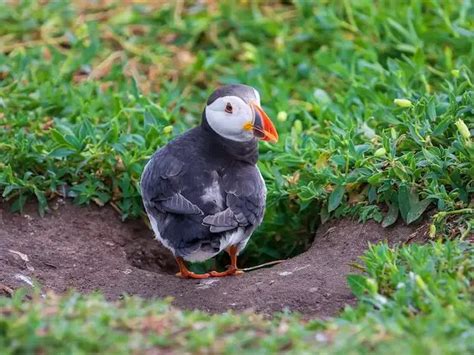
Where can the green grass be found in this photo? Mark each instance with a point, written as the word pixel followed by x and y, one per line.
pixel 373 102
pixel 414 300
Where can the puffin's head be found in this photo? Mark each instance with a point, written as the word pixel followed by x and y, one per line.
pixel 234 112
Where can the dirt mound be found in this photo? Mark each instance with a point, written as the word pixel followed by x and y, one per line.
pixel 91 249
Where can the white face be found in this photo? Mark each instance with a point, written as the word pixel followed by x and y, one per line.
pixel 229 116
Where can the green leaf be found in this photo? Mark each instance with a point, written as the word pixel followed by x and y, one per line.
pixel 375 178
pixel 19 203
pixel 67 140
pixel 417 209
pixel 391 216
pixel 73 142
pixel 42 202
pixel 372 194
pixel 400 171
pixel 149 120
pixel 308 192
pixel 404 201
pixel 431 110
pixel 442 126
pixel 358 284
pixel 58 137
pixel 324 214
pixel 411 208
pixel 61 153
pixel 9 189
pixel 135 89
pixel 335 198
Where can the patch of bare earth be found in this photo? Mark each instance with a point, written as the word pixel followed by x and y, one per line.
pixel 89 248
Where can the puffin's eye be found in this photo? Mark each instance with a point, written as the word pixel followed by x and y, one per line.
pixel 228 108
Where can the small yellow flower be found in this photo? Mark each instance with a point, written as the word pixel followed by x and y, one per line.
pixel 402 102
pixel 168 129
pixel 420 282
pixel 298 125
pixel 380 152
pixel 282 116
pixel 372 285
pixel 463 129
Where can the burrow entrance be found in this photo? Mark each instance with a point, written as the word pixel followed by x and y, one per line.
pixel 90 249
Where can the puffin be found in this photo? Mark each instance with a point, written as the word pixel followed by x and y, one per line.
pixel 203 192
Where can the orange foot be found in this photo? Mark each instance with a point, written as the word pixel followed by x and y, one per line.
pixel 229 272
pixel 192 275
pixel 233 269
pixel 185 273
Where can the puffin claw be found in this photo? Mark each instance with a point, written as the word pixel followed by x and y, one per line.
pixel 192 275
pixel 228 272
pixel 185 273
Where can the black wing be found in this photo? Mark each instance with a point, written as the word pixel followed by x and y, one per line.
pixel 159 186
pixel 245 201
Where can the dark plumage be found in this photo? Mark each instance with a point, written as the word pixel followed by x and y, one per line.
pixel 204 193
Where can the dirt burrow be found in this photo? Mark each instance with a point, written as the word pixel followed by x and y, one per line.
pixel 89 248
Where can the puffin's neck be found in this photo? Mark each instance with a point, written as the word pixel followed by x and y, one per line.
pixel 243 151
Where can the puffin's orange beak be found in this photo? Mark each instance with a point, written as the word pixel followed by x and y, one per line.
pixel 263 127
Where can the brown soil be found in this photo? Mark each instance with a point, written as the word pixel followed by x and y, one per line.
pixel 91 249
